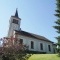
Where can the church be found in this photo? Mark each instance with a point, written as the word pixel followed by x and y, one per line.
pixel 33 41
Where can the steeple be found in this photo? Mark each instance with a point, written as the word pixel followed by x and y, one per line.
pixel 16 13
pixel 14 24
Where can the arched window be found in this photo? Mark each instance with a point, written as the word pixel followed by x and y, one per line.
pixel 49 47
pixel 21 41
pixel 41 46
pixel 32 45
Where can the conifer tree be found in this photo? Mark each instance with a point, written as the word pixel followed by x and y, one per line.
pixel 57 27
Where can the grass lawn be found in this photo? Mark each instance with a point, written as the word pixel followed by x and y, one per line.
pixel 44 57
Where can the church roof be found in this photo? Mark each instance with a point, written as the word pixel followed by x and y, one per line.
pixel 24 33
pixel 16 17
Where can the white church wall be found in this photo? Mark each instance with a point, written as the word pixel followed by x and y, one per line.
pixel 27 41
pixel 13 26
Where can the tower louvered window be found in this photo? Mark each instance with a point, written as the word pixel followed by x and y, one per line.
pixel 15 21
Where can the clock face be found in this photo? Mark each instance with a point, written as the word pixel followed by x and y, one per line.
pixel 15 21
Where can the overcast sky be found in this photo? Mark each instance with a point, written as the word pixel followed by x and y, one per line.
pixel 37 16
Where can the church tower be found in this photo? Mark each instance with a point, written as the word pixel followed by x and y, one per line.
pixel 14 24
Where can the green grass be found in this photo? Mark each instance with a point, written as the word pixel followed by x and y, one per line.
pixel 44 57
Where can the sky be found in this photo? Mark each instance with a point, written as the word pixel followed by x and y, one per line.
pixel 37 16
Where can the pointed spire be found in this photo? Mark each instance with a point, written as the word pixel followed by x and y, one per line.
pixel 16 13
